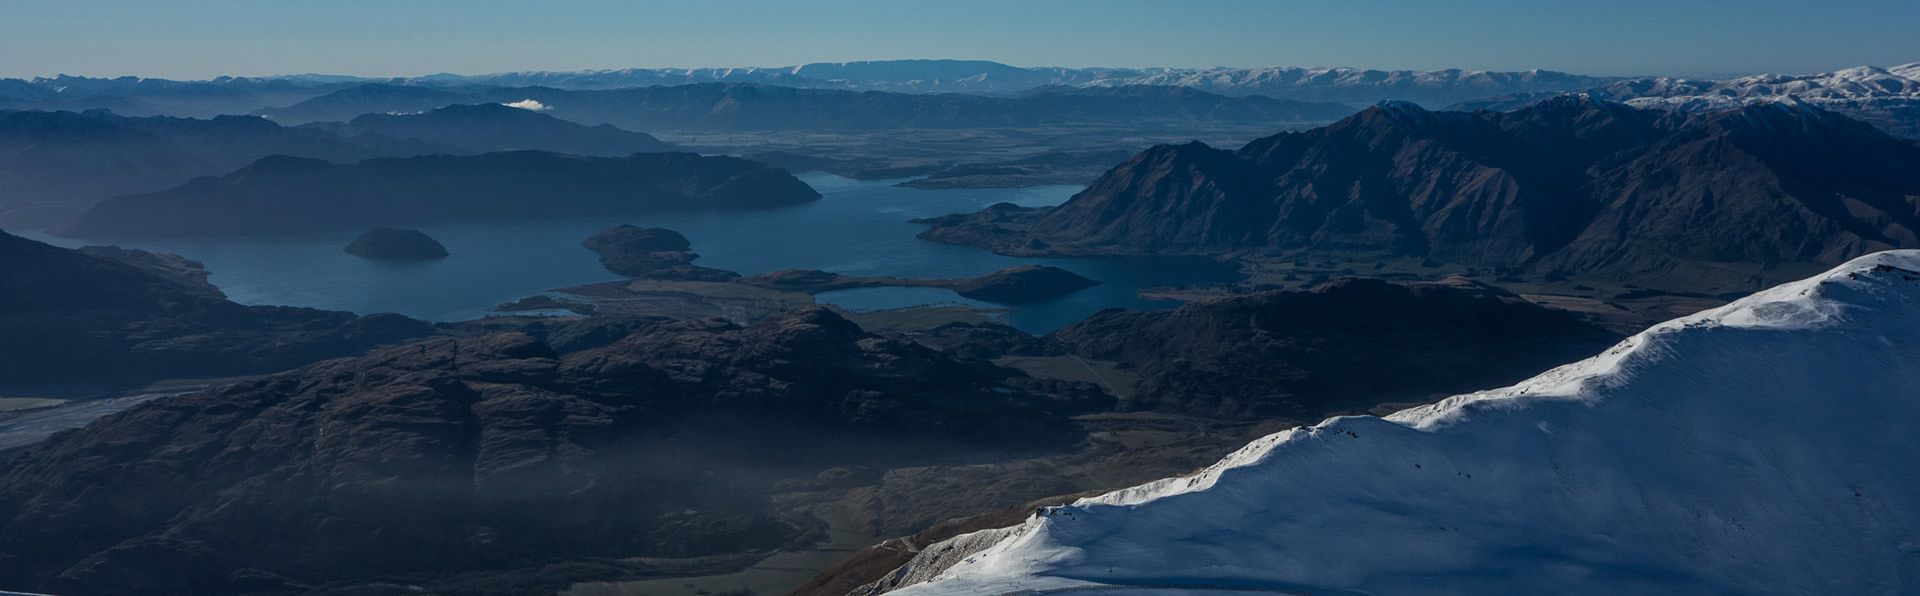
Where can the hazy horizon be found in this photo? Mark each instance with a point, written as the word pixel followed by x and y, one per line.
pixel 409 75
pixel 356 38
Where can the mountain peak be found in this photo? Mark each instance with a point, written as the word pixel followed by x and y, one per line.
pixel 1398 106
pixel 1577 101
pixel 1384 116
pixel 1405 112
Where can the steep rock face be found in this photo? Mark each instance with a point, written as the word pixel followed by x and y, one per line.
pixel 288 195
pixel 68 317
pixel 1756 447
pixel 1197 193
pixel 1792 183
pixel 1295 354
pixel 1572 183
pixel 389 244
pixel 472 456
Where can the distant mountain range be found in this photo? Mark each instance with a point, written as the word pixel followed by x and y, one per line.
pixel 1882 95
pixel 498 127
pixel 1887 97
pixel 1359 86
pixel 140 96
pixel 1745 449
pixel 747 106
pixel 1712 200
pixel 54 165
pixel 1349 85
pixel 239 95
pixel 904 76
pixel 280 194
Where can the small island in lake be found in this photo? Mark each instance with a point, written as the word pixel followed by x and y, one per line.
pixel 651 253
pixel 388 244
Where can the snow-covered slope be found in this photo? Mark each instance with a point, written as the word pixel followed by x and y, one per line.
pixel 1887 97
pixel 1765 446
pixel 1857 83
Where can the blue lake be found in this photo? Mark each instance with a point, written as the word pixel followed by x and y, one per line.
pixel 857 227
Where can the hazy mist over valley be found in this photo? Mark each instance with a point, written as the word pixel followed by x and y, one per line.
pixel 862 298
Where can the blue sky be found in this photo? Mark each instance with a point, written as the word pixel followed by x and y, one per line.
pixel 201 38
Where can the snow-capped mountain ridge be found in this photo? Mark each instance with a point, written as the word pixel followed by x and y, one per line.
pixel 1756 447
pixel 1362 86
pixel 1887 97
pixel 1860 82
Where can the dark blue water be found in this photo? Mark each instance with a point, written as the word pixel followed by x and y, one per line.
pixel 857 227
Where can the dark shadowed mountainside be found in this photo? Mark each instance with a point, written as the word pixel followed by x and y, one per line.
pixel 54 165
pixel 1710 201
pixel 289 195
pixel 69 319
pixel 187 272
pixel 456 464
pixel 480 128
pixel 1354 341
